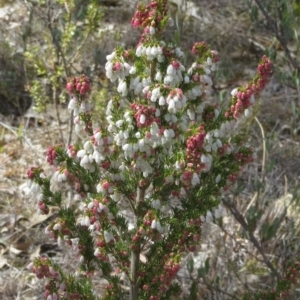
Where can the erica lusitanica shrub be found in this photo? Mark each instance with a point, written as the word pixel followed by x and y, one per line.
pixel 147 181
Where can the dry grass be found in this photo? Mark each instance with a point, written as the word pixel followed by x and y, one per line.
pixel 269 185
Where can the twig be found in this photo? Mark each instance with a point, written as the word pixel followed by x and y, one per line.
pixel 135 254
pixel 58 114
pixel 9 128
pixel 263 164
pixel 60 53
pixel 56 43
pixel 254 198
pixel 285 185
pixel 71 128
pixel 233 209
pixel 210 286
pixel 74 55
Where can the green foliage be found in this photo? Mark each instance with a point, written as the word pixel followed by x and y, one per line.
pixel 269 229
pixel 203 271
pixel 38 93
pixel 253 215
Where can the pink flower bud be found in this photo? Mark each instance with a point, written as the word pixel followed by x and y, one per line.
pixel 70 87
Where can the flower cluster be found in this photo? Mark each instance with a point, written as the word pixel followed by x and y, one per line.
pixel 79 85
pixel 195 145
pixel 170 270
pixel 42 268
pixel 144 115
pixel 51 155
pixel 57 287
pixel 153 176
pixel 79 89
pixel 150 16
pixel 243 98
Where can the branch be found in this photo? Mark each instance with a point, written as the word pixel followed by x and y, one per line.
pixel 56 42
pixel 60 53
pixel 233 209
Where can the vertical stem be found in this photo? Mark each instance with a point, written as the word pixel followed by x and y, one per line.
pixel 71 127
pixel 60 53
pixel 57 113
pixel 263 167
pixel 135 252
pixel 153 70
pixel 134 288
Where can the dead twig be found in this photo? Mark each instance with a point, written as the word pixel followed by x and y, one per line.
pixel 235 212
pixel 263 163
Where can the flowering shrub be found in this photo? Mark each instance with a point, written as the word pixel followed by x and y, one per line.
pixel 152 176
